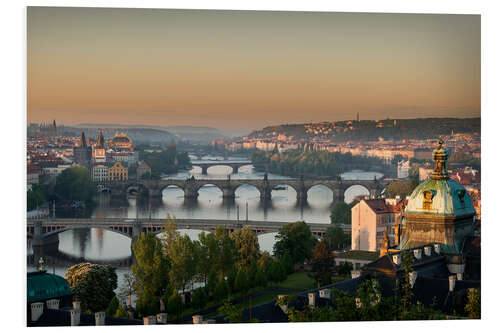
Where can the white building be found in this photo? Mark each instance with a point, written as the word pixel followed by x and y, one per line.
pixel 369 220
pixel 403 169
pixel 100 173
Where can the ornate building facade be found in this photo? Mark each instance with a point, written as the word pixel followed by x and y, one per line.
pixel 118 172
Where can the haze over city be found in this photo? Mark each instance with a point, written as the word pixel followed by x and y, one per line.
pixel 243 70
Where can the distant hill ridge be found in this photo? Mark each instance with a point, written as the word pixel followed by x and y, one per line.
pixel 366 130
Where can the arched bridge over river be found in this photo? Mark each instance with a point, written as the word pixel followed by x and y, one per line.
pixel 228 186
pixel 45 231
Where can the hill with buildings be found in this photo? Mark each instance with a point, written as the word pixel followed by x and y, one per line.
pixel 372 130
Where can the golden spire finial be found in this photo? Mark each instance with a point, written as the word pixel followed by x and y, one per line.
pixel 440 157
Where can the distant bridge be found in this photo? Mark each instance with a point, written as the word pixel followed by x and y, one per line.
pixel 228 186
pixel 234 165
pixel 45 231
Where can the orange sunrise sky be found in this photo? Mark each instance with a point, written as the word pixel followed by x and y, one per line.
pixel 243 70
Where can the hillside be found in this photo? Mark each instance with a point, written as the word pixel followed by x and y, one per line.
pixel 372 130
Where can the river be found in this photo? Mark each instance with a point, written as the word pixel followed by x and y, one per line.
pixel 98 244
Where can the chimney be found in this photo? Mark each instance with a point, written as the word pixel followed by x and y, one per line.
pixel 396 259
pixel 324 293
pixel 150 320
pixel 75 317
pixel 413 278
pixel 312 299
pixel 99 318
pixel 452 280
pixel 36 310
pixel 437 248
pixel 417 253
pixel 460 276
pixel 161 318
pixel 197 319
pixel 427 250
pixel 53 304
pixel 355 273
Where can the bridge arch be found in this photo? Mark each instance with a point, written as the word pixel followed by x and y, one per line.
pixel 321 191
pixel 353 191
pixel 122 230
pixel 238 187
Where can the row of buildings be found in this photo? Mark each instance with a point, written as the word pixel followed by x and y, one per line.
pixel 107 160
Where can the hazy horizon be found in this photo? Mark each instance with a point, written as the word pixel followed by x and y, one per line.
pixel 239 71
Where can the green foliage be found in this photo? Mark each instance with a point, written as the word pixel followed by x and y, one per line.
pixel 75 184
pixel 199 299
pixel 174 304
pixel 221 290
pixel 473 305
pixel 121 312
pixel 287 263
pixel 166 161
pixel 92 284
pixel 211 282
pixel 401 188
pixel 112 307
pixel 345 268
pixel 35 197
pixel 182 261
pixel 241 282
pixel 341 213
pixel 151 267
pixel 233 315
pixel 246 245
pixel 147 304
pixel 295 239
pixel 335 238
pixel 323 264
pixel 312 163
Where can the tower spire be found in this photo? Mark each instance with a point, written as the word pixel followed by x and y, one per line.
pixel 83 142
pixel 100 140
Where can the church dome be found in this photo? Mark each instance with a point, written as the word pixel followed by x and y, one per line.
pixel 440 195
pixel 121 140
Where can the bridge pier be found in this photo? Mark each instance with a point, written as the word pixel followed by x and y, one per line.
pixel 338 195
pixel 228 193
pixel 234 170
pixel 265 193
pixel 302 196
pixel 154 193
pixel 204 170
pixel 191 193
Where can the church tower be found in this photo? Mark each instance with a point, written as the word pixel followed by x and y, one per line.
pixel 82 154
pixel 439 211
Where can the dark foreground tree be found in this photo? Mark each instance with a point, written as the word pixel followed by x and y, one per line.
pixel 75 184
pixel 296 239
pixel 92 284
pixel 341 213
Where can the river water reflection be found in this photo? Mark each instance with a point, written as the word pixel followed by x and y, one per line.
pixel 98 244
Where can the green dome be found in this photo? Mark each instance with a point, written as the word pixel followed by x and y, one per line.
pixel 444 197
pixel 43 286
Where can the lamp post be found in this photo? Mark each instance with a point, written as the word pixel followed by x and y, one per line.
pixel 247 211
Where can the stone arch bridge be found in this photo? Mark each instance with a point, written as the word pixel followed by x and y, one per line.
pixel 45 231
pixel 228 186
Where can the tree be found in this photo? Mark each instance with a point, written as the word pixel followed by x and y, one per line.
pixel 335 238
pixel 92 284
pixel 121 312
pixel 323 264
pixel 112 307
pixel 401 188
pixel 75 183
pixel 174 304
pixel 241 283
pixel 211 282
pixel 151 267
pixel 287 263
pixel 341 213
pixel 296 239
pixel 225 250
pixel 35 197
pixel 473 306
pixel 233 315
pixel 127 289
pixel 182 264
pixel 221 290
pixel 246 245
pixel 199 298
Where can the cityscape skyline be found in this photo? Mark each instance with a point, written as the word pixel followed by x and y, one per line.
pixel 243 70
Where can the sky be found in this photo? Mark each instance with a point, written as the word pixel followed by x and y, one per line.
pixel 243 70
